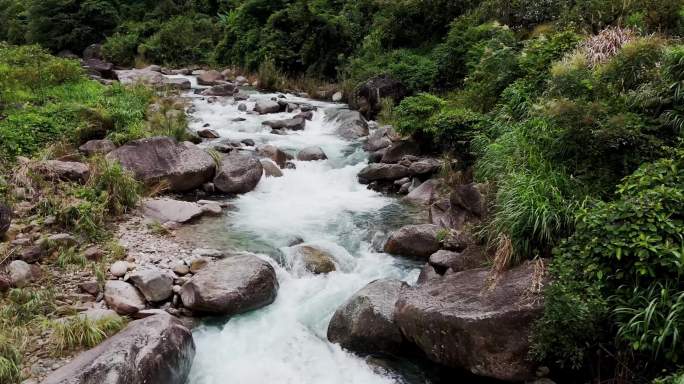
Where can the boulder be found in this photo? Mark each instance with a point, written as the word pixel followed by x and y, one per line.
pixel 177 83
pixel 399 149
pixel 20 273
pixel 379 171
pixel 123 298
pixel 274 153
pixel 210 78
pixel 442 215
pixel 294 124
pixel 312 153
pixel 365 323
pixel 370 94
pixel 105 69
pixel 155 284
pixel 337 97
pixel 165 209
pixel 184 166
pixel 208 134
pixel 271 169
pixel 468 197
pixel 350 124
pixel 64 170
pixel 314 259
pixel 226 89
pixel 142 76
pixel 32 254
pixel 424 167
pixel 239 173
pixel 424 194
pixel 471 257
pixel 458 320
pixel 93 51
pixel 418 241
pixel 305 115
pixel 248 142
pixel 97 147
pixel 378 140
pixel 157 349
pixel 5 219
pixel 263 107
pixel 231 286
pixel 119 268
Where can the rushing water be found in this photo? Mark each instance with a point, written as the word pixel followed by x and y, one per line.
pixel 322 203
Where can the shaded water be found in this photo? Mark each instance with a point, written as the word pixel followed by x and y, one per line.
pixel 323 204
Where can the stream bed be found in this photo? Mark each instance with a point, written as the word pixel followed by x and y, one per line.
pixel 322 203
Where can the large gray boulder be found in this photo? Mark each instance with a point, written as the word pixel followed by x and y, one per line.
pixel 97 147
pixel 314 259
pixel 263 107
pixel 239 173
pixel 378 140
pixel 462 320
pixel 399 149
pixel 469 197
pixel 312 153
pixel 210 77
pixel 365 323
pixel 64 170
pixel 157 349
pixel 140 76
pixel 155 284
pixel 231 286
pixel 165 209
pixel 274 153
pixel 425 193
pixel 350 124
pixel 19 273
pixel 271 169
pixel 123 298
pixel 386 172
pixel 184 166
pixel 418 241
pixel 294 124
pixel 225 89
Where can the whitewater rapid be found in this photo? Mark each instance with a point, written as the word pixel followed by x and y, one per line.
pixel 322 203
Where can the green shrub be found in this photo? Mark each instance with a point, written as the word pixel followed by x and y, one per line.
pixel 413 112
pixel 183 40
pixel 121 48
pixel 451 125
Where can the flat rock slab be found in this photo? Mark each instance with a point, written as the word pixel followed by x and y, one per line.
pixel 157 349
pixel 231 286
pixel 165 210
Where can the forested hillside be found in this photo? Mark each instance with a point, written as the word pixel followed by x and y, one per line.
pixel 572 111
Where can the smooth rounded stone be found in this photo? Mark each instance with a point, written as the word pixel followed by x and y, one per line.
pixel 5 219
pixel 294 124
pixel 225 89
pixel 455 324
pixel 365 323
pixel 469 197
pixel 20 274
pixel 208 134
pixel 305 115
pixel 274 153
pixel 177 83
pixel 248 142
pixel 231 286
pixel 239 173
pixel 97 147
pixel 263 107
pixel 123 298
pixel 425 193
pixel 418 241
pixel 242 107
pixel 210 78
pixel 184 166
pixel 315 260
pixel 399 149
pixel 156 285
pixel 241 80
pixel 64 170
pixel 165 209
pixel 119 268
pixel 241 96
pixel 379 171
pixel 156 349
pixel 211 209
pixel 425 167
pixel 350 124
pixel 140 76
pixel 32 254
pixel 337 97
pixel 271 169
pixel 181 269
pixel 312 153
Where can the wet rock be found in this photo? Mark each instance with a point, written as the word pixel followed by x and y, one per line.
pixel 241 96
pixel 263 107
pixel 211 209
pixel 379 171
pixel 337 97
pixel 274 153
pixel 119 268
pixel 184 166
pixel 248 142
pixel 210 78
pixel 155 284
pixel 123 298
pixel 399 149
pixel 365 323
pixel 377 140
pixel 469 258
pixel 225 89
pixel 351 125
pixel 231 286
pixel 459 321
pixel 157 349
pixel 64 170
pixel 314 259
pixel 140 76
pixel 424 194
pixel 312 153
pixel 20 273
pixel 270 168
pixel 304 115
pixel 208 134
pixel 376 157
pixel 242 107
pixel 239 173
pixel 294 124
pixel 97 147
pixel 370 94
pixel 419 241
pixel 165 209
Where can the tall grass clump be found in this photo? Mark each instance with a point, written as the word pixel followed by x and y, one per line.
pixel 81 332
pixel 116 188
